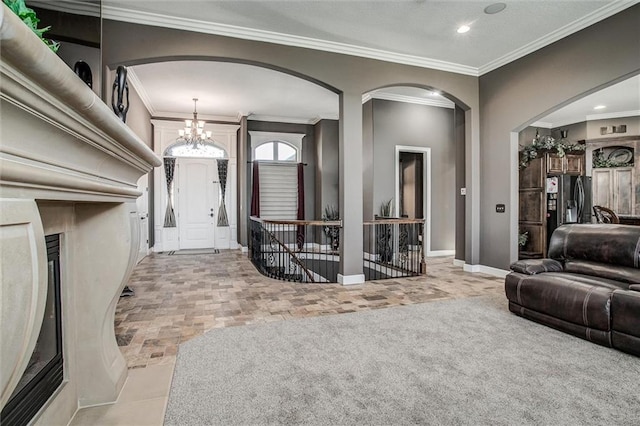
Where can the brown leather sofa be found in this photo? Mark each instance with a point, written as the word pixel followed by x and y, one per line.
pixel 588 286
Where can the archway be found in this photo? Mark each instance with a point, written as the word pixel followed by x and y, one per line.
pixel 577 121
pixel 425 127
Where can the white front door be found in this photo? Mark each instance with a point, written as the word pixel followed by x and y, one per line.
pixel 197 202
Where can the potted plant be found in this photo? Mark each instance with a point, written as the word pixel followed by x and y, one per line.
pixel 332 231
pixel 30 19
pixel 383 233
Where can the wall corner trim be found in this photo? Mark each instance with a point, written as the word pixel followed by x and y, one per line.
pixel 489 270
pixel 351 279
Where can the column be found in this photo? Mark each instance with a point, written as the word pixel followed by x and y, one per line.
pixel 350 189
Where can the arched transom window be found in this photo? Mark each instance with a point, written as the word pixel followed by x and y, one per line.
pixel 276 151
pixel 203 150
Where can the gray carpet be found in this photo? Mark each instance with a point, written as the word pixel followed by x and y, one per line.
pixel 466 361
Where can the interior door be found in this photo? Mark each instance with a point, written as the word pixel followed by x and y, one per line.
pixel 197 202
pixel 142 203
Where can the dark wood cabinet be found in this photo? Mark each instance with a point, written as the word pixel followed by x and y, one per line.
pixel 533 196
pixel 570 164
pixel 532 208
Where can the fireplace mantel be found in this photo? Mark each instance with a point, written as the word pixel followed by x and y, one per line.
pixel 68 165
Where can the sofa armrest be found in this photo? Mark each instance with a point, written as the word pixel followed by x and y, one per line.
pixel 536 266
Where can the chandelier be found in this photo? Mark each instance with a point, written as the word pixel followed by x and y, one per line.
pixel 193 133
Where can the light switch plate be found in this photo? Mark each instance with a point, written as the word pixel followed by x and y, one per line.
pixel 500 208
pixel 463 191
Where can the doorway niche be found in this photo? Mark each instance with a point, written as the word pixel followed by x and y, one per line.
pixel 165 133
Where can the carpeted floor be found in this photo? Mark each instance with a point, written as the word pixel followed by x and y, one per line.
pixel 466 361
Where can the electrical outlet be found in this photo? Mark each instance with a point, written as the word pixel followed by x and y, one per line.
pixel 463 191
pixel 500 208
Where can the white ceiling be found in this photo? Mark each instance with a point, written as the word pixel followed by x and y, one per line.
pixel 417 32
pixel 621 100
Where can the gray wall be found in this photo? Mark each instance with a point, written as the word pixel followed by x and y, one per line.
pixel 632 123
pixel 459 129
pixel 350 76
pixel 326 171
pixel 398 123
pixel 308 156
pixel 526 90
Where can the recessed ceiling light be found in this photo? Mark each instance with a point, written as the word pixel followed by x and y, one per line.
pixel 463 29
pixel 494 8
pixel 600 107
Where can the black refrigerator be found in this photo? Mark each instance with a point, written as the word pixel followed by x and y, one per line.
pixel 568 201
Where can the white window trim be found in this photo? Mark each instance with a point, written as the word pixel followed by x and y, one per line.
pixel 293 139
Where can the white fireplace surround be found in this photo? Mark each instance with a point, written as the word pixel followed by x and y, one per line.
pixel 68 166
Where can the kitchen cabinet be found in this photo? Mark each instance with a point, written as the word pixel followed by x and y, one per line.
pixel 614 188
pixel 532 208
pixel 570 164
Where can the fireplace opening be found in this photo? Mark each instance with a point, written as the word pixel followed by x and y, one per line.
pixel 44 372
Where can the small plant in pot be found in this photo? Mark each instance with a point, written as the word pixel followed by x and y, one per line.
pixel 383 233
pixel 523 237
pixel 332 231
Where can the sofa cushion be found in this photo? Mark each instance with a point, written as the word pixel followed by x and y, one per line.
pixel 625 312
pixel 576 298
pixel 613 272
pixel 536 266
pixel 612 244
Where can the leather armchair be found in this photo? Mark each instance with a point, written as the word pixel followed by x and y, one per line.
pixel 589 285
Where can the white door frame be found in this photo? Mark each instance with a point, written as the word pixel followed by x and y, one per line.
pixel 426 185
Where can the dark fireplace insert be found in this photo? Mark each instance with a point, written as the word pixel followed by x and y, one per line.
pixel 44 372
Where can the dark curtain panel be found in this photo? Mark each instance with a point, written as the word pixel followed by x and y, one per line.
pixel 300 232
pixel 169 169
pixel 223 220
pixel 255 192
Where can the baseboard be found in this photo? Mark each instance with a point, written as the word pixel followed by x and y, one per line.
pixel 438 253
pixel 350 279
pixel 244 249
pixel 485 270
pixel 458 262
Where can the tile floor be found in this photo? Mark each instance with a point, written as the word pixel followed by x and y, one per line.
pixel 179 297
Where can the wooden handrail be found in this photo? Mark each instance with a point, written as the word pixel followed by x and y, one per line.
pixel 297 222
pixel 393 221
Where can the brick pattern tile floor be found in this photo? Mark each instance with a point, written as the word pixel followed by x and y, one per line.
pixel 180 297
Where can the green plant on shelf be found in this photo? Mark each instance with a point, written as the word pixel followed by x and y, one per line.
pixel 547 143
pixel 30 19
pixel 600 161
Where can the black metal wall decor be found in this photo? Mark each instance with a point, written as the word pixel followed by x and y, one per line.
pixel 120 94
pixel 83 70
pixel 223 220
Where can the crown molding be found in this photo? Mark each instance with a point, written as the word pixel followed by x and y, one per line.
pixel 174 22
pixel 75 7
pixel 590 117
pixel 541 124
pixel 139 88
pixel 442 103
pixel 291 120
pixel 577 25
pixel 172 115
pixel 608 115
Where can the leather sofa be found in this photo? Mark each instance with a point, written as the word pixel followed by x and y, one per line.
pixel 588 286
